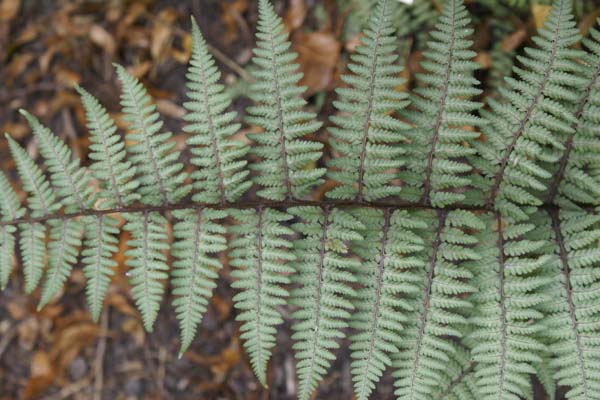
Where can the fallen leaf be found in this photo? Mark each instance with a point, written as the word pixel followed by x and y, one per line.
pixel 41 375
pixel 9 9
pixel 232 17
pixel 296 14
pixel 103 39
pixel 318 54
pixel 540 13
pixel 162 33
pixel 514 40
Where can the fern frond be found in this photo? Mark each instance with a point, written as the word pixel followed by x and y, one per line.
pixel 99 245
pixel 366 135
pixel 323 293
pixel 286 168
pixel 260 254
pixel 148 262
pixel 222 175
pixel 506 318
pixel 68 178
pixel 577 178
pixel 387 274
pixel 41 201
pixel 530 123
pixel 443 110
pixel 63 250
pixel 198 238
pixel 115 174
pixel 573 309
pixel 10 209
pixel 159 171
pixel 437 305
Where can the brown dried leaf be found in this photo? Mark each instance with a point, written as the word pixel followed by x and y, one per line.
pixel 540 12
pixel 318 54
pixel 102 38
pixel 514 40
pixel 232 17
pixel 9 9
pixel 42 375
pixel 162 34
pixel 295 16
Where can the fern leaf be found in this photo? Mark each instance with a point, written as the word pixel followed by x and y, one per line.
pixel 323 276
pixel 576 178
pixel 442 111
pixel 530 123
pixel 366 136
pixel 260 254
pixel 286 169
pixel 510 282
pixel 100 244
pixel 63 249
pixel 41 198
pixel 437 305
pixel 10 209
pixel 573 311
pixel 147 260
pixel 107 149
pixel 197 239
pixel 222 174
pixel 41 202
pixel 158 170
pixel 387 273
pixel 68 178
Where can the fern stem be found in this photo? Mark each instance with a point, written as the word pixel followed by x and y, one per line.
pixel 585 98
pixel 528 113
pixel 280 126
pixel 306 387
pixel 442 214
pixel 377 305
pixel 241 205
pixel 259 284
pixel 367 123
pixel 564 259
pixel 501 267
pixel 425 197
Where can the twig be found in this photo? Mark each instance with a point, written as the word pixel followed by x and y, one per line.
pixel 7 338
pixel 99 360
pixel 231 64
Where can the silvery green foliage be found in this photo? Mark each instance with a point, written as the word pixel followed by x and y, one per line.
pixel 222 175
pixel 530 123
pixel 366 136
pixel 463 284
pixel 436 173
pixel 286 169
pixel 260 255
